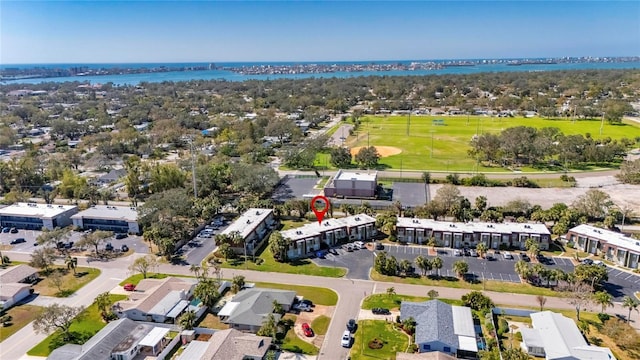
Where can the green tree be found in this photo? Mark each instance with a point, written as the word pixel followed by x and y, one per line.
pixel 367 157
pixel 52 237
pixel 71 262
pixel 340 157
pixel 143 265
pixel 477 301
pixel 187 320
pixel 604 299
pixel 4 259
pixel 481 248
pixel 391 291
pixel 542 300
pixel 279 246
pixel 43 258
pixel 195 269
pixel 277 307
pixel 424 264
pixel 437 264
pixel 56 317
pixel 207 291
pixel 269 327
pixel 237 283
pixel 460 267
pixel 103 302
pixel 226 251
pixel 432 294
pixel 409 325
pixel 630 172
pixel 95 238
pixel 631 304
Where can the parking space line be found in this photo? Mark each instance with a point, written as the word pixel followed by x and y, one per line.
pixel 630 275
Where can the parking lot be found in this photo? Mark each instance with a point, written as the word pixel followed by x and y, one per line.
pixel 134 242
pixel 621 283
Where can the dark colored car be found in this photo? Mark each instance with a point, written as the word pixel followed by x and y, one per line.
pixel 351 325
pixel 306 302
pixel 17 241
pixel 380 311
pixel 307 330
pixel 524 257
pixel 124 248
pixel 6 229
pixel 13 230
pixel 108 247
pixel 379 246
pixel 121 236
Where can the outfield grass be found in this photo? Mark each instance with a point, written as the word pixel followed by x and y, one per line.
pixel 393 340
pixel 319 296
pixel 21 315
pixel 88 323
pixel 451 141
pixel 269 264
pixel 489 285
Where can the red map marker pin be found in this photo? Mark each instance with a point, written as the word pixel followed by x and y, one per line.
pixel 320 213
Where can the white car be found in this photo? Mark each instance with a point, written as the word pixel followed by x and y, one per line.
pixel 346 339
pixel 507 255
pixel 359 244
pixel 457 252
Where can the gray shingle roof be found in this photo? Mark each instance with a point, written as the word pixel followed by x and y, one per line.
pixel 256 303
pixel 16 274
pixel 434 321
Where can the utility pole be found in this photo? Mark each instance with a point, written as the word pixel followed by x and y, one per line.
pixel 409 120
pixel 431 154
pixel 193 168
pixel 602 123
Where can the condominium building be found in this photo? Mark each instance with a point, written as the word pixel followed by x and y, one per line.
pixel 615 247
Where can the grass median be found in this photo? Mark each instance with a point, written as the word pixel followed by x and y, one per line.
pixel 20 316
pixel 70 281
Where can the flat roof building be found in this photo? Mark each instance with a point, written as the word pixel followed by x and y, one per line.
pixel 119 219
pixel 354 184
pixel 34 216
pixel 459 234
pixel 253 226
pixel 616 247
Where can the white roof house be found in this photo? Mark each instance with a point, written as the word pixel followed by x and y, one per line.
pixel 560 338
pixel 472 227
pixel 611 237
pixel 248 222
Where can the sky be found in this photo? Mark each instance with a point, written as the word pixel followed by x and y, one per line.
pixel 34 32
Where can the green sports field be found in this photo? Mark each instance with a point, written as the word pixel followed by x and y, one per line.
pixel 450 140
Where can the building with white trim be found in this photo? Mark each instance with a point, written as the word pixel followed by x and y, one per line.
pixel 119 219
pixel 307 239
pixel 556 337
pixel 252 226
pixel 459 234
pixel 615 247
pixel 34 216
pixel 352 184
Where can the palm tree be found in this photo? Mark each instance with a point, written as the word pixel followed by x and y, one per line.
pixel 277 307
pixel 541 301
pixel 460 267
pixel 481 248
pixel 391 291
pixel 102 302
pixel 72 263
pixel 237 284
pixel 405 266
pixel 630 303
pixel 437 264
pixel 603 299
pixel 4 259
pixel 424 264
pixel 195 269
pixel 187 320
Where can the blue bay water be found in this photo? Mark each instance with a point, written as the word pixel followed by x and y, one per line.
pixel 176 76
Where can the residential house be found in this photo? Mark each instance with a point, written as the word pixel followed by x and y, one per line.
pixel 112 176
pixel 442 327
pixel 123 339
pixel 459 234
pixel 309 238
pixel 350 184
pixel 159 300
pixel 253 226
pixel 248 310
pixel 556 337
pixel 229 344
pixel 615 247
pixel 433 355
pixel 15 284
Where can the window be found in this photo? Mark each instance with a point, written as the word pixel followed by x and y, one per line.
pixel 447 349
pixel 426 347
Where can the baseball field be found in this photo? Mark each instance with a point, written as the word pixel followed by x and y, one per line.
pixel 441 142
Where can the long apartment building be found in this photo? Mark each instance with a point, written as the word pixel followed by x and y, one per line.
pixel 459 234
pixel 33 216
pixel 253 226
pixel 615 247
pixel 307 239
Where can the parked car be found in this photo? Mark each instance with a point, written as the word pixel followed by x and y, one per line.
pixel 68 245
pixel 352 325
pixel 17 241
pixel 380 311
pixel 599 263
pixel 124 248
pixel 302 307
pixel 473 253
pixel 121 236
pixel 347 247
pixel 306 329
pixel 587 262
pixel 13 230
pixel 360 245
pixel 6 229
pixel 457 252
pixel 346 339
pixel 507 255
pixel 307 302
pixel 129 287
pixel 489 257
pixel 108 247
pixel 379 246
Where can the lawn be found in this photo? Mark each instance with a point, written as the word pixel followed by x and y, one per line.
pixel 88 324
pixel 22 315
pixel 320 324
pixel 70 282
pixel 293 343
pixel 490 285
pixel 450 142
pixel 212 322
pixel 269 264
pixel 393 302
pixel 135 279
pixel 320 296
pixel 393 340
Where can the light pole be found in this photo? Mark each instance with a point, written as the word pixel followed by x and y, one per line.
pixel 431 154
